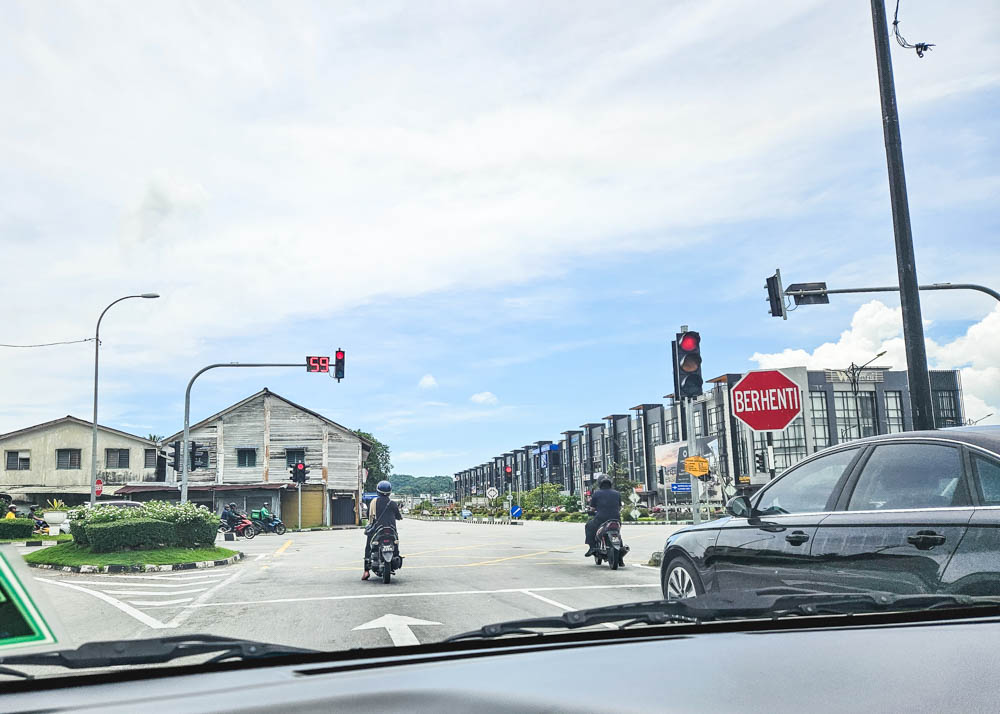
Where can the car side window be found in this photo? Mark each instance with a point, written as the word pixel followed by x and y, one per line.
pixel 987 479
pixel 806 488
pixel 910 476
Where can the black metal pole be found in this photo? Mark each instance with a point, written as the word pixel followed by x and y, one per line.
pixel 913 328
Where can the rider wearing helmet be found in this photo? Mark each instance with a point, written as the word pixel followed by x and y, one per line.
pixel 382 511
pixel 230 514
pixel 606 503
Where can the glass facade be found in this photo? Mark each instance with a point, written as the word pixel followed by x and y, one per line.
pixel 819 418
pixel 946 408
pixel 789 445
pixel 654 434
pixel 698 429
pixel 714 420
pixel 673 432
pixel 855 415
pixel 894 412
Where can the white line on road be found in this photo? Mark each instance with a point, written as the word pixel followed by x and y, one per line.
pixel 160 604
pixel 422 594
pixel 564 608
pixel 398 627
pixel 166 588
pixel 181 616
pixel 261 556
pixel 647 567
pixel 124 607
pixel 133 593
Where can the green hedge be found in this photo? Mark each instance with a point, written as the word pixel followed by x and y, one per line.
pixel 78 532
pixel 196 533
pixel 132 533
pixel 16 527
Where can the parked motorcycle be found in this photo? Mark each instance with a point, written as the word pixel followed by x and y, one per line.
pixel 609 546
pixel 269 526
pixel 385 557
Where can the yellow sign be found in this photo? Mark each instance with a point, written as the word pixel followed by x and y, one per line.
pixel 696 465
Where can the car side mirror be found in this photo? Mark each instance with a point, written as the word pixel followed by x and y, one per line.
pixel 739 507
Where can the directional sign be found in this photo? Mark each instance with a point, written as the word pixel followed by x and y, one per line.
pixel 696 465
pixel 100 487
pixel 766 400
pixel 634 513
pixel 398 627
pixel 492 492
pixel 515 512
pixel 633 497
pixel 680 487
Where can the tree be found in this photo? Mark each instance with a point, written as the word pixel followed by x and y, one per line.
pixel 155 437
pixel 618 473
pixel 545 495
pixel 378 463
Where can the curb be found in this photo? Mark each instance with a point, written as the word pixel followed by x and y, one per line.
pixel 469 520
pixel 140 568
pixel 36 543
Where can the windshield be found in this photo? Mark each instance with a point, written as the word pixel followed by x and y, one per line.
pixel 334 326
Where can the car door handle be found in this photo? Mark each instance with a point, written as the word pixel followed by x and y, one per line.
pixel 925 540
pixel 796 537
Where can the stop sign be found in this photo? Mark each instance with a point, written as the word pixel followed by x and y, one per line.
pixel 100 487
pixel 766 400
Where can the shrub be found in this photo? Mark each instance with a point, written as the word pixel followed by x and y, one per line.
pixel 16 527
pixel 561 516
pixel 544 516
pixel 79 533
pixel 130 533
pixel 193 525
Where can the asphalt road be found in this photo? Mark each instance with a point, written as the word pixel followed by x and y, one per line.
pixel 304 589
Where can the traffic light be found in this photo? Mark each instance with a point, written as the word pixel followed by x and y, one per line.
pixel 775 298
pixel 338 364
pixel 193 448
pixel 299 472
pixel 175 456
pixel 760 461
pixel 508 473
pixel 687 364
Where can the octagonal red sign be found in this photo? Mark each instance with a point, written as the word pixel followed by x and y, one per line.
pixel 766 400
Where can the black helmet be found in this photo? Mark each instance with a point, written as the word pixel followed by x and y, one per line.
pixel 232 505
pixel 384 487
pixel 606 483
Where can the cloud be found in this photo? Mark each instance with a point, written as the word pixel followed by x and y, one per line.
pixel 427 382
pixel 876 327
pixel 484 398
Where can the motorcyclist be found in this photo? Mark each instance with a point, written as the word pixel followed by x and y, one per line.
pixel 382 511
pixel 230 516
pixel 606 503
pixel 33 515
pixel 11 512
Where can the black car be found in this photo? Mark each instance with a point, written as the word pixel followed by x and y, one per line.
pixel 917 512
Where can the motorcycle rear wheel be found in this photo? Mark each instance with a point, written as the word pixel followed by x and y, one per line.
pixel 386 573
pixel 613 558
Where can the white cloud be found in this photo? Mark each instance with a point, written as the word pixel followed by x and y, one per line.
pixel 484 398
pixel 876 327
pixel 427 382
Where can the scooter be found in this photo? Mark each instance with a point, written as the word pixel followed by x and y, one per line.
pixel 272 526
pixel 608 544
pixel 385 557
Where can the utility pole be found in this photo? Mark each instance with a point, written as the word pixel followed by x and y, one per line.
pixel 913 328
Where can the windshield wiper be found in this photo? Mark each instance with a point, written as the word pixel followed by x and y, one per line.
pixel 773 604
pixel 149 651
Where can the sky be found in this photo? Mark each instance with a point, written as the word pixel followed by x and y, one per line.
pixel 501 212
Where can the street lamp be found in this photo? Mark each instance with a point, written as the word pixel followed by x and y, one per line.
pixel 93 435
pixel 854 374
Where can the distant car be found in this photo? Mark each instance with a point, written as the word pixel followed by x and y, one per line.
pixel 907 513
pixel 466 513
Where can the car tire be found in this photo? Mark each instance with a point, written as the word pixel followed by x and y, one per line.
pixel 681 580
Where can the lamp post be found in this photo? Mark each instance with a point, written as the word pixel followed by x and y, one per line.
pixel 93 429
pixel 854 374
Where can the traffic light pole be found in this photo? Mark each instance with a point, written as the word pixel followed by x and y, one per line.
pixel 299 499
pixel 186 460
pixel 692 448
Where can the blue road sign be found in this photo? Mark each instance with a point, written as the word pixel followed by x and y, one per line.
pixel 680 487
pixel 515 511
pixel 368 495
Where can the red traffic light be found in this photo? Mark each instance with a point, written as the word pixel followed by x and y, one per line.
pixel 508 469
pixel 300 466
pixel 689 342
pixel 340 354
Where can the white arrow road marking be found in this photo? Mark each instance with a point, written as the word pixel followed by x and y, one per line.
pixel 124 607
pixel 398 627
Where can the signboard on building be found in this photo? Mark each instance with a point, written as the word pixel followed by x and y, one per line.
pixel 766 400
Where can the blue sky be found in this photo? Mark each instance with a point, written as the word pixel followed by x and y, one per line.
pixel 522 203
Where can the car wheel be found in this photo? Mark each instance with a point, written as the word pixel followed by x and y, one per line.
pixel 681 580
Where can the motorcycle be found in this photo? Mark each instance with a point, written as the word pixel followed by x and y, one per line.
pixel 244 527
pixel 385 558
pixel 272 526
pixel 609 546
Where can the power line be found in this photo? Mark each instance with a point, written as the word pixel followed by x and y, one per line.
pixel 920 47
pixel 50 344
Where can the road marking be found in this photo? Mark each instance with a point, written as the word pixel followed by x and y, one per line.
pixel 153 592
pixel 261 556
pixel 398 627
pixel 181 616
pixel 284 547
pixel 145 584
pixel 165 603
pixel 647 567
pixel 374 596
pixel 564 608
pixel 124 607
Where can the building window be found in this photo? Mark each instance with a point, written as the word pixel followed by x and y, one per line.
pixel 294 456
pixel 246 458
pixel 820 419
pixel 894 412
pixel 18 460
pixel 945 408
pixel 714 420
pixel 149 459
pixel 855 415
pixel 116 458
pixel 789 445
pixel 654 433
pixel 672 433
pixel 67 458
pixel 698 431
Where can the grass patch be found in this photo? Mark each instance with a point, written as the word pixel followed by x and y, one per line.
pixel 73 554
pixel 61 538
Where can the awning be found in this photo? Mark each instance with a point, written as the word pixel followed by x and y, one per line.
pixel 144 488
pixel 24 490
